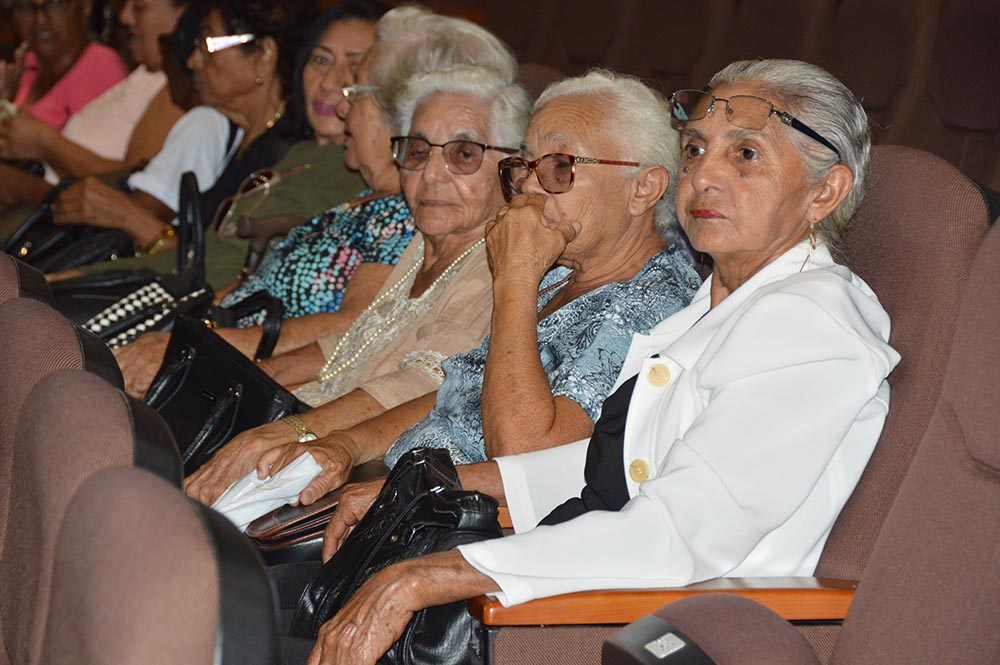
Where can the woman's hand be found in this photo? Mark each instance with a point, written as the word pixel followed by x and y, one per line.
pixel 355 500
pixel 89 201
pixel 23 136
pixel 335 453
pixel 235 460
pixel 522 243
pixel 10 72
pixel 141 360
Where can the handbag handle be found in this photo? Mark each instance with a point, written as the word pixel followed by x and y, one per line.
pixel 217 428
pixel 192 229
pixel 11 245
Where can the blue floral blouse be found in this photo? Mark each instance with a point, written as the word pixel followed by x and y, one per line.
pixel 582 346
pixel 309 268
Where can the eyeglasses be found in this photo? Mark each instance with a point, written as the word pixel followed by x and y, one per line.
pixel 556 172
pixel 352 92
pixel 52 9
pixel 462 157
pixel 745 111
pixel 209 44
pixel 258 182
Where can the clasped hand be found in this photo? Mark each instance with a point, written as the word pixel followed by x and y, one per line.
pixel 522 243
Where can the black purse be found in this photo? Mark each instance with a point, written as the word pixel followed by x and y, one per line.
pixel 208 392
pixel 421 509
pixel 149 302
pixel 51 247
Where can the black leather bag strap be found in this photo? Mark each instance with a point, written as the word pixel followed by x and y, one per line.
pixel 261 301
pixel 12 244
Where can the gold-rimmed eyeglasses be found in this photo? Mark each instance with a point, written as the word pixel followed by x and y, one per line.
pixel 462 157
pixel 556 172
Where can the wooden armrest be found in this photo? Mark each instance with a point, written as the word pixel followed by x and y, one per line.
pixel 503 516
pixel 793 598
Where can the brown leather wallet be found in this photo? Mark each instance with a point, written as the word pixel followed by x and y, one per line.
pixel 295 533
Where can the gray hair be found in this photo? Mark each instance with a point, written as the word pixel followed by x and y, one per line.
pixel 641 119
pixel 818 99
pixel 412 40
pixel 510 103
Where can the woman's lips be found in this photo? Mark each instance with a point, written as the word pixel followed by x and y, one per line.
pixel 325 109
pixel 703 213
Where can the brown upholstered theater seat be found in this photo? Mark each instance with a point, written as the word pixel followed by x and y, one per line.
pixel 19 280
pixel 913 240
pixel 930 592
pixel 72 425
pixel 144 576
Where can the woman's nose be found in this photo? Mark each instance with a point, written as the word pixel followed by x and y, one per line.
pixel 436 168
pixel 532 185
pixel 194 61
pixel 335 78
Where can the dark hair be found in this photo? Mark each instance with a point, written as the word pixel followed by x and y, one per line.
pixel 284 21
pixel 352 10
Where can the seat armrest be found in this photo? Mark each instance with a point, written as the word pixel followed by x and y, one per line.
pixel 503 517
pixel 793 598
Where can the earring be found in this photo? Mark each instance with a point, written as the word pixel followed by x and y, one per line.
pixel 812 235
pixel 259 81
pixel 686 169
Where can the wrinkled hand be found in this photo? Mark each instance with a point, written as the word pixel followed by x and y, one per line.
pixel 235 460
pixel 331 453
pixel 370 622
pixel 141 360
pixel 10 72
pixel 23 136
pixel 89 201
pixel 354 502
pixel 522 242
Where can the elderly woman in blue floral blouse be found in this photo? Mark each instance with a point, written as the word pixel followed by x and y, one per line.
pixel 579 264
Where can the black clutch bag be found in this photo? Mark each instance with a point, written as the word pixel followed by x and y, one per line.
pixel 421 509
pixel 51 247
pixel 208 392
pixel 142 302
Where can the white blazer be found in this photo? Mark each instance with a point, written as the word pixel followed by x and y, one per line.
pixel 748 429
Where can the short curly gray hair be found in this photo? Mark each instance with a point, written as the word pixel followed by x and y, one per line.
pixel 642 118
pixel 412 40
pixel 510 103
pixel 818 99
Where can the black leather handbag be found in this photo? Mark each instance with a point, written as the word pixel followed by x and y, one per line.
pixel 420 510
pixel 143 302
pixel 51 247
pixel 208 392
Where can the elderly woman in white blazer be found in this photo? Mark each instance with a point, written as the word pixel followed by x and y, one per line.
pixel 738 427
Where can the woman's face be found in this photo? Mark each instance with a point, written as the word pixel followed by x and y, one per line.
pixel 443 202
pixel 333 64
pixel 367 136
pixel 145 21
pixel 225 78
pixel 53 32
pixel 598 202
pixel 743 195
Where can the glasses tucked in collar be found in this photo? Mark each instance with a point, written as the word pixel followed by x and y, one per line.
pixel 744 111
pixel 352 92
pixel 462 157
pixel 214 44
pixel 556 172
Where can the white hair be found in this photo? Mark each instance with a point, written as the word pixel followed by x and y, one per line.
pixel 641 119
pixel 816 98
pixel 412 40
pixel 509 102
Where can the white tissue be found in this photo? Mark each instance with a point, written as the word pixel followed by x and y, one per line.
pixel 249 497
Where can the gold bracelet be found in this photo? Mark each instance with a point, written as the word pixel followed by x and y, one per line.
pixel 305 434
pixel 161 238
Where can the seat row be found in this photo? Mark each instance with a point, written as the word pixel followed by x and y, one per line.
pixel 103 559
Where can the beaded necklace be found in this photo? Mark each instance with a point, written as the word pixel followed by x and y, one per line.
pixel 331 368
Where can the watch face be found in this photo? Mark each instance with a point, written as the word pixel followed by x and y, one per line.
pixel 307 437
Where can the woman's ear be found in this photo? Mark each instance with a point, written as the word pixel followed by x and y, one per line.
pixel 648 188
pixel 831 191
pixel 267 56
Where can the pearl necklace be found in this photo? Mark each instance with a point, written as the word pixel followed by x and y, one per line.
pixel 331 370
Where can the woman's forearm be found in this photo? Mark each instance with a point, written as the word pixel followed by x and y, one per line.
pixel 344 412
pixel 298 366
pixel 519 411
pixel 373 437
pixel 70 159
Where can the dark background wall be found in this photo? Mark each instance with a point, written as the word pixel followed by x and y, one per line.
pixel 926 70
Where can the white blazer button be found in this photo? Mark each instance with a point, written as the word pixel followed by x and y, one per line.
pixel 658 376
pixel 638 470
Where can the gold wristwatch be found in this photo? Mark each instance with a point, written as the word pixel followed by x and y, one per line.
pixel 305 434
